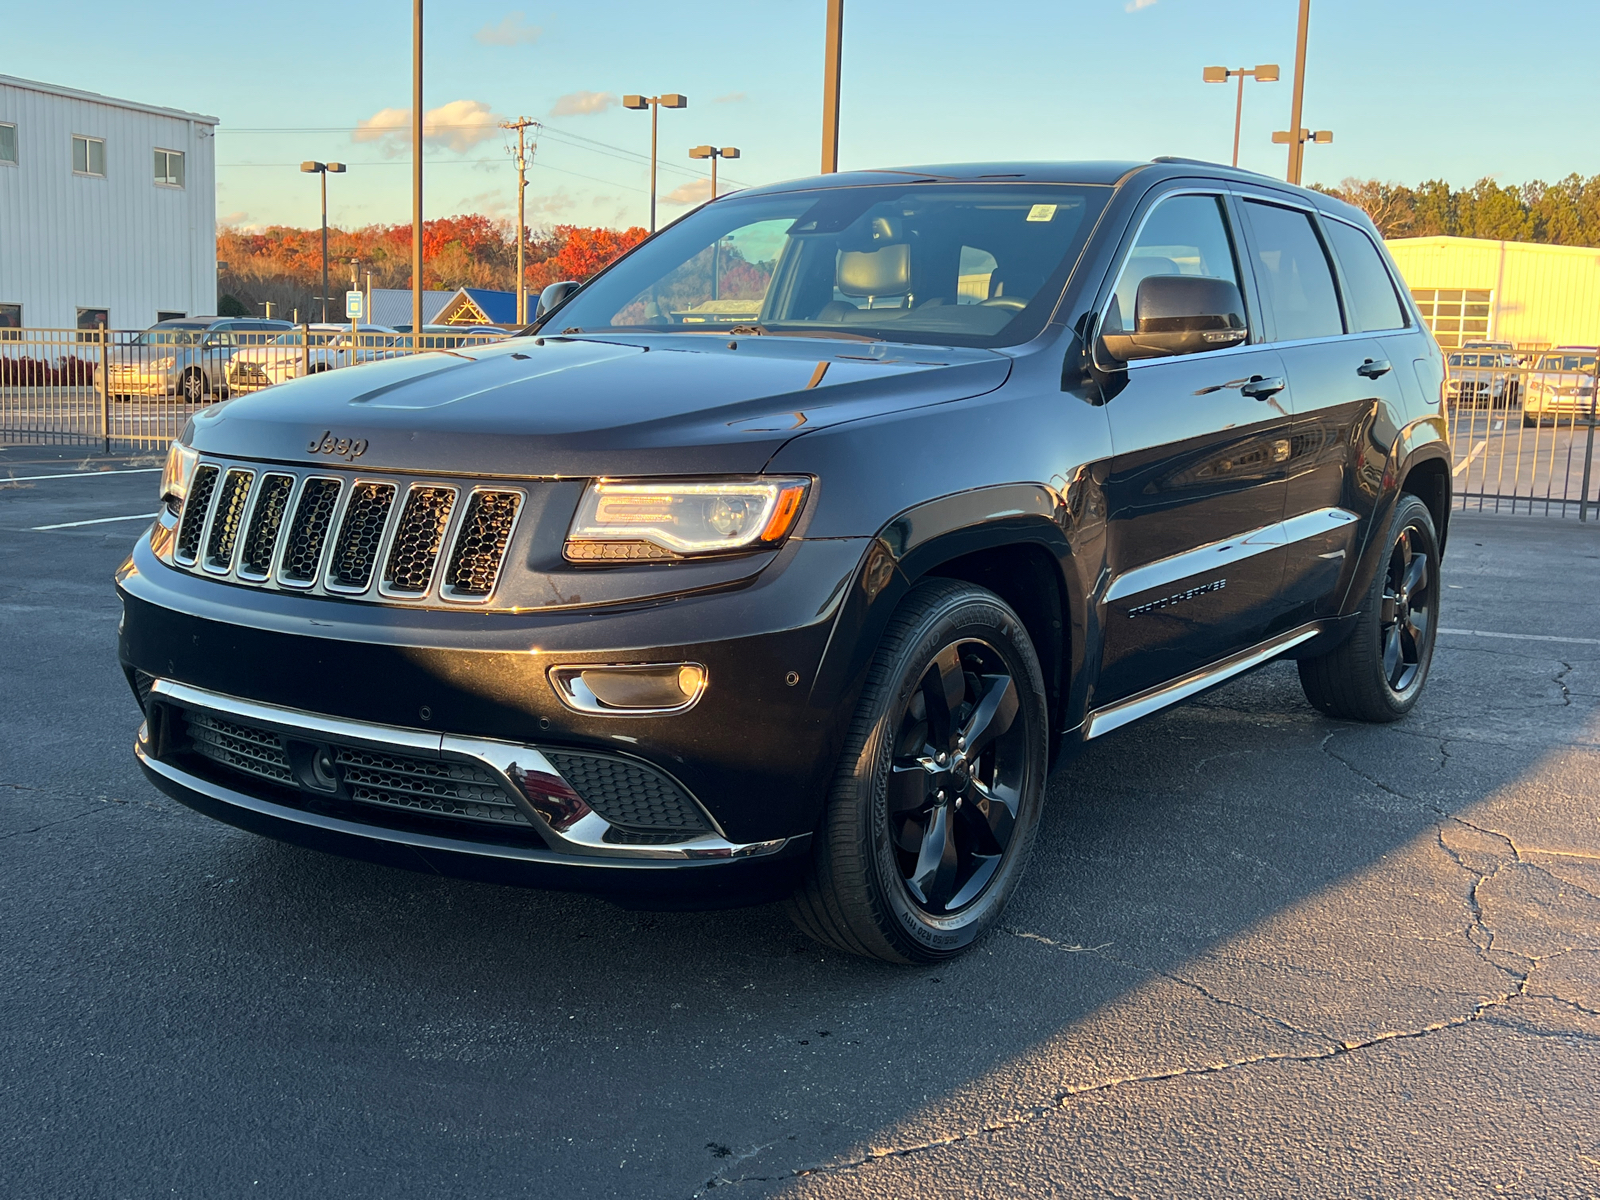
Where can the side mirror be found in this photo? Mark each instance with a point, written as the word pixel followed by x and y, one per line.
pixel 1179 314
pixel 554 296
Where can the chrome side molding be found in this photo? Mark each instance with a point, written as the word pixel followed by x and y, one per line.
pixel 1114 716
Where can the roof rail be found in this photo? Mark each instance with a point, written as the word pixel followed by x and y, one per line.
pixel 1201 162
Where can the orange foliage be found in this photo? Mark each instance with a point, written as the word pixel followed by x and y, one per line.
pixel 283 264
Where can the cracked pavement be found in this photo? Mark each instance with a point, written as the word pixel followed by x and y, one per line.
pixel 1257 953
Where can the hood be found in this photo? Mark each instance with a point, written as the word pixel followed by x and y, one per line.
pixel 583 406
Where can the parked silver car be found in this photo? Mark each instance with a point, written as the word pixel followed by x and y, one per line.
pixel 187 358
pixel 310 351
pixel 1561 387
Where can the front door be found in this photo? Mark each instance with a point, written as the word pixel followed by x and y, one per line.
pixel 1196 493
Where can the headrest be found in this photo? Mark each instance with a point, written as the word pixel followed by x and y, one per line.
pixel 885 272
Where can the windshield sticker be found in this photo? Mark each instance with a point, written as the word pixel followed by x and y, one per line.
pixel 1042 212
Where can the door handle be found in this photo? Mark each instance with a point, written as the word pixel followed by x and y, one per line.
pixel 1260 387
pixel 1374 367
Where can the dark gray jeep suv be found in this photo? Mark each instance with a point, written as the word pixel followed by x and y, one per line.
pixel 783 557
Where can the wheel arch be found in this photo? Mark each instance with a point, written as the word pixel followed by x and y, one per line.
pixel 1427 477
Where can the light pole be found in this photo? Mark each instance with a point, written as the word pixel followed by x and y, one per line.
pixel 1295 136
pixel 1261 73
pixel 832 57
pixel 323 169
pixel 655 104
pixel 714 153
pixel 416 175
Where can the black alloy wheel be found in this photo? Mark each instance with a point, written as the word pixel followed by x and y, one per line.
pixel 955 784
pixel 939 786
pixel 1377 672
pixel 1407 611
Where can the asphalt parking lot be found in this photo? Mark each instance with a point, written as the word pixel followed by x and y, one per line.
pixel 1258 953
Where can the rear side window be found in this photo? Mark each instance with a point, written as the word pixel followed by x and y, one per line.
pixel 1293 273
pixel 1371 299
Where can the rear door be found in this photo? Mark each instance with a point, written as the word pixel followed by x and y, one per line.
pixel 1344 366
pixel 1196 490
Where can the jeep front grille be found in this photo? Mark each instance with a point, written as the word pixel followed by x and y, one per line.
pixel 417 538
pixel 357 537
pixel 360 535
pixel 481 544
pixel 195 509
pixel 309 533
pixel 243 747
pixel 255 560
pixel 225 521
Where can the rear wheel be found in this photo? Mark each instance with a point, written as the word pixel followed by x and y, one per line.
pixel 938 790
pixel 1377 673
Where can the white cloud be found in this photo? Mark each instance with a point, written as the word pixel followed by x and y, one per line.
pixel 1136 5
pixel 696 191
pixel 513 30
pixel 236 220
pixel 731 98
pixel 458 125
pixel 583 104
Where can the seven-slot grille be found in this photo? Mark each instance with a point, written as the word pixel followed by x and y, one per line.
pixel 354 537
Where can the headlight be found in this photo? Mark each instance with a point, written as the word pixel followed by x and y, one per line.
pixel 162 364
pixel 620 521
pixel 176 474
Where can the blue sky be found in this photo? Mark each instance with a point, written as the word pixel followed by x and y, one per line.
pixel 1412 90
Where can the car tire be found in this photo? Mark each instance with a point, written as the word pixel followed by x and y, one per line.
pixel 194 386
pixel 1377 673
pixel 919 847
pixel 1529 421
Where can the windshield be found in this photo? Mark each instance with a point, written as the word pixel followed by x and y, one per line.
pixel 950 264
pixel 169 337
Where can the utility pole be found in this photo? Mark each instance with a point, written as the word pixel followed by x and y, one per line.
pixel 831 59
pixel 416 175
pixel 1297 145
pixel 522 125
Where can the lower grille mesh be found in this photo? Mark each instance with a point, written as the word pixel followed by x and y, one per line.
pixel 630 794
pixel 451 789
pixel 194 513
pixel 245 748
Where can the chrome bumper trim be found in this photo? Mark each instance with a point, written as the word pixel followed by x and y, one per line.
pixel 581 840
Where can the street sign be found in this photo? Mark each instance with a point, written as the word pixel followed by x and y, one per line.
pixel 355 305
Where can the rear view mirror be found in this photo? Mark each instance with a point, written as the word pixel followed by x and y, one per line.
pixel 553 296
pixel 1179 314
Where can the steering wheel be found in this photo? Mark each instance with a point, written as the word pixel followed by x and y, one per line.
pixel 1011 302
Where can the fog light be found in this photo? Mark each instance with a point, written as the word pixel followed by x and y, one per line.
pixel 636 689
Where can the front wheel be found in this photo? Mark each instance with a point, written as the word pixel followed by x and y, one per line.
pixel 938 791
pixel 194 386
pixel 1377 673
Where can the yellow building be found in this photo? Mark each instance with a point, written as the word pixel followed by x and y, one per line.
pixel 1478 290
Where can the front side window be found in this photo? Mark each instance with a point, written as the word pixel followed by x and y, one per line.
pixel 1184 235
pixel 1293 273
pixel 1374 306
pixel 947 264
pixel 169 168
pixel 8 144
pixel 88 155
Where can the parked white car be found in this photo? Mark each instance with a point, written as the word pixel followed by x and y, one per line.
pixel 1561 387
pixel 320 347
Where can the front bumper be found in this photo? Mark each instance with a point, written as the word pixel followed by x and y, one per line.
pixel 755 753
pixel 710 882
pixel 131 381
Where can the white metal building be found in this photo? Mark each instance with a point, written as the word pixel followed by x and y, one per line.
pixel 1477 289
pixel 108 210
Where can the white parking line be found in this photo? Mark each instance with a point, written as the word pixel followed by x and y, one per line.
pixel 1523 637
pixel 78 474
pixel 96 521
pixel 1467 462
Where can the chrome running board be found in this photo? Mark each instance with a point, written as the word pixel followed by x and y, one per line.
pixel 1114 716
